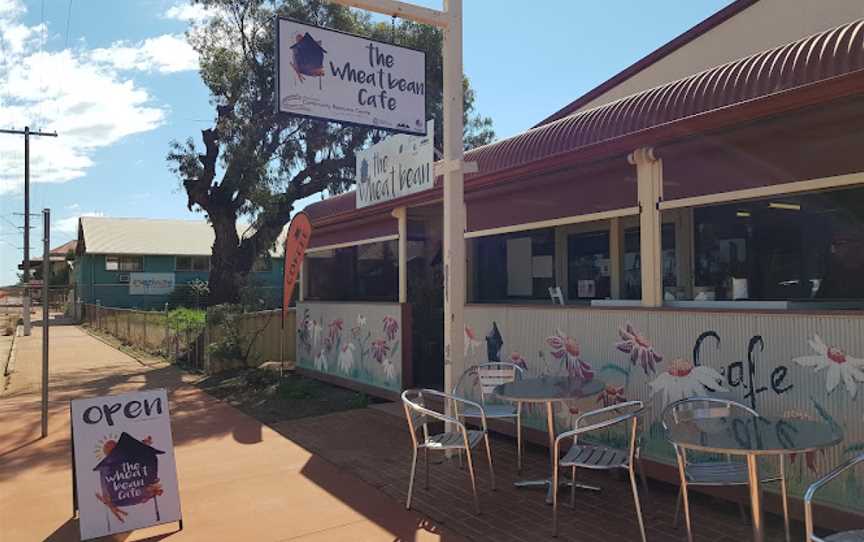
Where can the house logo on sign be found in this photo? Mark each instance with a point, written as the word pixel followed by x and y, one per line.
pixel 308 58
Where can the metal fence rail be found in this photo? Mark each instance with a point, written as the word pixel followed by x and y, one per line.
pixel 151 331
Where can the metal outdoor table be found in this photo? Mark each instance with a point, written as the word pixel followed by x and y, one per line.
pixel 753 437
pixel 549 390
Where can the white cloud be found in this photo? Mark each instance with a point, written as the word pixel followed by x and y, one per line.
pixel 187 12
pixel 69 225
pixel 168 53
pixel 87 96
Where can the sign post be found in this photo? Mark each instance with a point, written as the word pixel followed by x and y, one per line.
pixel 46 281
pixel 296 241
pixel 450 20
pixel 123 468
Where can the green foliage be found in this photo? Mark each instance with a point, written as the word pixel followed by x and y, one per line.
pixel 192 294
pixel 185 320
pixel 360 400
pixel 295 389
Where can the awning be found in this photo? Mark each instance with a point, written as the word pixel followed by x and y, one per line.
pixel 812 70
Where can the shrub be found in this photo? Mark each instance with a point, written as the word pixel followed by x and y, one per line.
pixel 260 378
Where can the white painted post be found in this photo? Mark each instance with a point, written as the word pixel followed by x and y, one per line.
pixel 454 197
pixel 649 178
pixel 401 214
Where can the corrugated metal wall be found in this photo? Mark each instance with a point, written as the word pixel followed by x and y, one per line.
pixel 781 349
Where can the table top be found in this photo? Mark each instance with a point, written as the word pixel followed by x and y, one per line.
pixel 741 435
pixel 549 388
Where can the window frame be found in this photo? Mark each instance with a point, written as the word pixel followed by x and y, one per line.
pixel 121 259
pixel 191 268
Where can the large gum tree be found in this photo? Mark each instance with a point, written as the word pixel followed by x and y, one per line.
pixel 252 165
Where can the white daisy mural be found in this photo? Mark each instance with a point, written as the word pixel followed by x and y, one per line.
pixel 683 379
pixel 321 361
pixel 837 365
pixel 346 357
pixel 389 369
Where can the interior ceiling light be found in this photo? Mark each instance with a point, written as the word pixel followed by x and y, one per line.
pixel 785 206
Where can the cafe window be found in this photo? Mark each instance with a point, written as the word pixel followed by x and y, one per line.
pixel 124 263
pixel 513 266
pixel 632 264
pixel 192 263
pixel 589 268
pixel 807 248
pixel 368 272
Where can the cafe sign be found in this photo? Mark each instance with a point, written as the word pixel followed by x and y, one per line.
pixel 123 465
pixel 395 167
pixel 339 77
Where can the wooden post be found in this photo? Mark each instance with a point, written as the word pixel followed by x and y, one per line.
pixel 649 179
pixel 401 214
pixel 616 254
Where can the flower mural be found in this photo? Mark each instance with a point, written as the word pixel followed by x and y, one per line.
pixel 346 357
pixel 641 350
pixel 566 350
pixel 517 359
pixel 611 395
pixel 472 343
pixel 334 330
pixel 391 327
pixel 837 365
pixel 380 350
pixel 389 369
pixel 682 379
pixel 321 362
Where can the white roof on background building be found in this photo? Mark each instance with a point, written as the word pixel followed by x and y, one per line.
pixel 104 235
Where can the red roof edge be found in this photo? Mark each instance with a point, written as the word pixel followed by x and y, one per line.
pixel 663 51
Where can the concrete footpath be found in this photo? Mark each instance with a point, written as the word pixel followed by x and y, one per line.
pixel 239 480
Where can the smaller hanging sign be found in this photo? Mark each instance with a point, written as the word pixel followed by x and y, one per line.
pixel 394 167
pixel 123 465
pixel 296 242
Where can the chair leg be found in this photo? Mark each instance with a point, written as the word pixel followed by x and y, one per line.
pixel 785 497
pixel 411 479
pixel 519 438
pixel 489 457
pixel 573 488
pixel 555 499
pixel 426 460
pixel 684 497
pixel 473 481
pixel 638 505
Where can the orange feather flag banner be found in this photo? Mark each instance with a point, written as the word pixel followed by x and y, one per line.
pixel 299 233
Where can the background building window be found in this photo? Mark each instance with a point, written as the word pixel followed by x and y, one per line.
pixel 124 263
pixel 192 263
pixel 367 272
pixel 632 265
pixel 808 247
pixel 514 266
pixel 588 266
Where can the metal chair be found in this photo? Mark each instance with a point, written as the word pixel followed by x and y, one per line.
pixel 489 376
pixel 846 536
pixel 597 457
pixel 714 473
pixel 418 414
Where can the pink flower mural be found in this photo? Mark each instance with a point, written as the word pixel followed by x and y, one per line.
pixel 472 343
pixel 391 327
pixel 641 350
pixel 517 359
pixel 836 364
pixel 611 395
pixel 334 329
pixel 566 350
pixel 380 350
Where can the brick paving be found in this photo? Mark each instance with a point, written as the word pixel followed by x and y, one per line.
pixel 375 446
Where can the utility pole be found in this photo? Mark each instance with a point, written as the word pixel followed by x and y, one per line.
pixel 27 133
pixel 46 274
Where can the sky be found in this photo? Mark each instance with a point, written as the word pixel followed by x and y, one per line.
pixel 118 82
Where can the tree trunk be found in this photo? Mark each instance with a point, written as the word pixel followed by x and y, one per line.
pixel 227 264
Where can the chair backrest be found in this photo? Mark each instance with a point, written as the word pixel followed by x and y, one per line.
pixel 418 411
pixel 815 486
pixel 628 413
pixel 702 408
pixel 489 376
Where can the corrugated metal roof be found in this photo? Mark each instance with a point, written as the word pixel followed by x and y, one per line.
pixel 817 58
pixel 105 235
